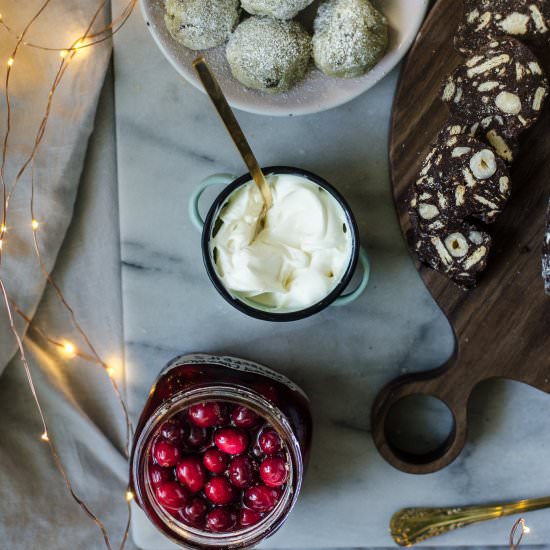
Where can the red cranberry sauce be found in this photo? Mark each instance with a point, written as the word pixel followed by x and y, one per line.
pixel 217 466
pixel 229 482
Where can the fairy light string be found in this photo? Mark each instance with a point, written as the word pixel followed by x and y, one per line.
pixel 518 531
pixel 66 54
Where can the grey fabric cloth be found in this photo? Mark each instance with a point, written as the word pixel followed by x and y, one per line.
pixel 59 162
pixel 36 511
pixel 84 418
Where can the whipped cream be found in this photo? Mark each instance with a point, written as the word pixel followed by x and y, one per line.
pixel 299 256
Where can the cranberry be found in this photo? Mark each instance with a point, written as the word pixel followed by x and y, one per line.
pixel 171 495
pixel 270 442
pixel 274 471
pixel 195 511
pixel 215 461
pixel 244 418
pixel 248 517
pixel 221 519
pixel 174 431
pixel 198 437
pixel 242 473
pixel 191 474
pixel 268 391
pixel 231 441
pixel 158 475
pixel 165 453
pixel 219 491
pixel 261 498
pixel 207 415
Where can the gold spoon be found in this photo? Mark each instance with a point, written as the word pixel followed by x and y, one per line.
pixel 228 118
pixel 413 525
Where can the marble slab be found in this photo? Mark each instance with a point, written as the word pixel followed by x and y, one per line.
pixel 168 139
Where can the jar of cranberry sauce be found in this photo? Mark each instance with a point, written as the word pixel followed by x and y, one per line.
pixel 220 451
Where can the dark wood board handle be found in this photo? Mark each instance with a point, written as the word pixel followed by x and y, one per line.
pixel 502 328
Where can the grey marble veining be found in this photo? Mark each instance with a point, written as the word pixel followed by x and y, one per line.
pixel 169 138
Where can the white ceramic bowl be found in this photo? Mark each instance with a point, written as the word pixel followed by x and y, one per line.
pixel 314 94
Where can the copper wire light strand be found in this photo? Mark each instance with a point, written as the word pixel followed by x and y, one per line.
pixel 110 29
pixel 45 434
pixel 11 306
pixel 515 539
pixel 8 110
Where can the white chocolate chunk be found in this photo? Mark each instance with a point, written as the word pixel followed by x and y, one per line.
pixel 504 184
pixel 458 95
pixel 426 168
pixel 455 130
pixel 484 21
pixel 473 15
pixel 427 211
pixel 499 145
pixel 538 19
pixel 460 151
pixel 449 90
pixel 488 86
pixel 508 103
pixel 489 65
pixel 515 24
pixel 534 67
pixel 539 98
pixel 478 255
pixel 485 202
pixel 470 180
pixel 442 251
pixel 474 60
pixel 460 191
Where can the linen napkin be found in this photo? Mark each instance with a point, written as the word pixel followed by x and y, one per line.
pixel 59 163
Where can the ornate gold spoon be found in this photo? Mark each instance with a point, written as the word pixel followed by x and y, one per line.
pixel 228 118
pixel 413 525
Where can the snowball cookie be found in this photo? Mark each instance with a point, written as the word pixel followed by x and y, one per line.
pixel 350 37
pixel 201 24
pixel 268 54
pixel 280 9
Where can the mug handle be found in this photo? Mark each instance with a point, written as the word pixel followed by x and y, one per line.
pixel 346 299
pixel 194 213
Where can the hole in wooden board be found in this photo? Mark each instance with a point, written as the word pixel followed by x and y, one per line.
pixel 419 428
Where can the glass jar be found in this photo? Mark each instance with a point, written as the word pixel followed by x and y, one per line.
pixel 192 379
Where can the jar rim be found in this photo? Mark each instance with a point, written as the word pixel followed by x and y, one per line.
pixel 243 538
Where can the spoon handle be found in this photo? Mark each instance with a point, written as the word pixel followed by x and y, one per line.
pixel 228 118
pixel 413 525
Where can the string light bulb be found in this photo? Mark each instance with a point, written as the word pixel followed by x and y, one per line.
pixel 111 372
pixel 34 225
pixel 526 529
pixel 63 54
pixel 11 61
pixel 44 437
pixel 129 496
pixel 3 229
pixel 69 349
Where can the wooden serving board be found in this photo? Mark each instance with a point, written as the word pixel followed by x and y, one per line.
pixel 502 327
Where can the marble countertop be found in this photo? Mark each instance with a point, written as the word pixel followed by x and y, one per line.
pixel 168 139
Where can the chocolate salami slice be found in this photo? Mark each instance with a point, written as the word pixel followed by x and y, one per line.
pixel 486 20
pixel 504 79
pixel 546 255
pixel 460 252
pixel 461 177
